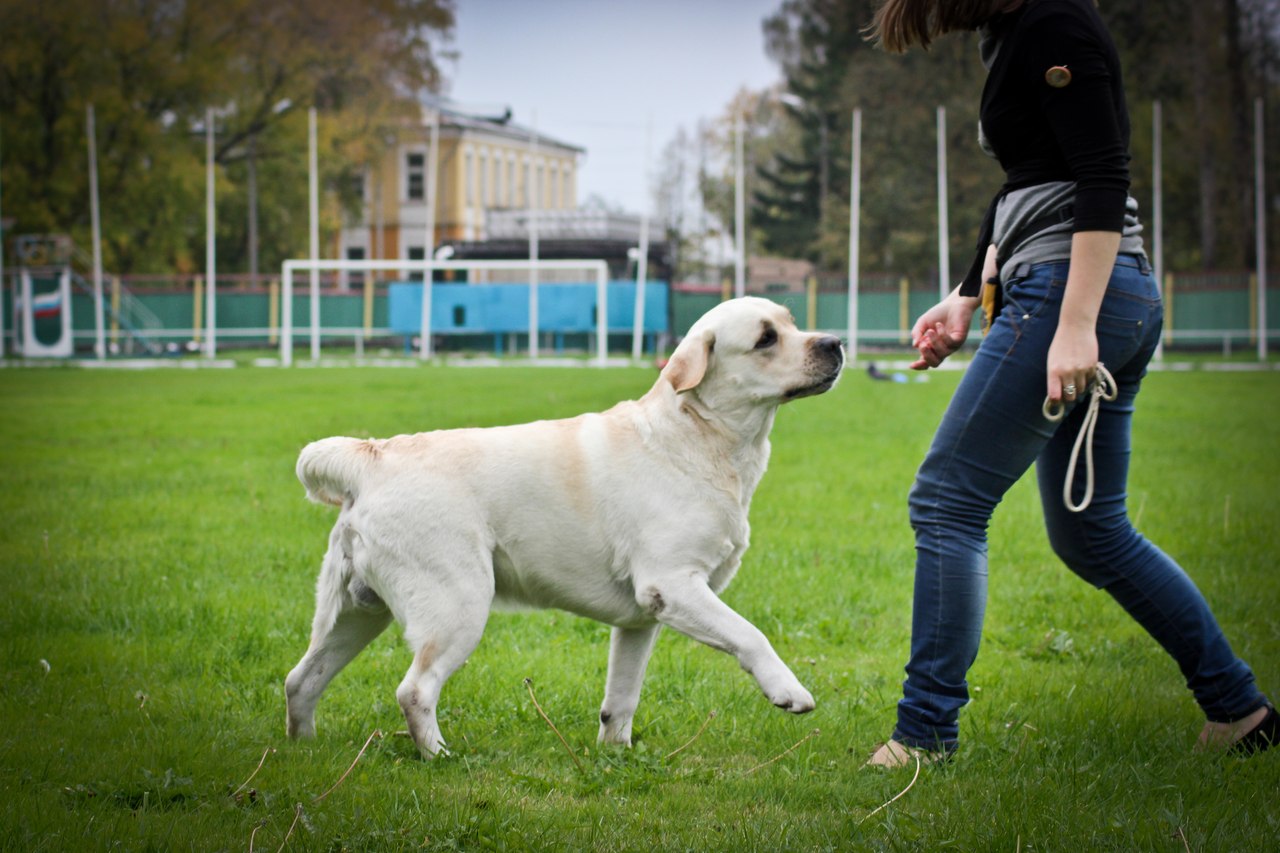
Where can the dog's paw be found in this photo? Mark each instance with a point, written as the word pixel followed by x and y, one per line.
pixel 797 700
pixel 614 729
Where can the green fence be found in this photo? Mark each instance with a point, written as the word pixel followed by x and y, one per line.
pixel 1202 311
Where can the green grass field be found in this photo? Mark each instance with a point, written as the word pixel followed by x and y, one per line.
pixel 159 560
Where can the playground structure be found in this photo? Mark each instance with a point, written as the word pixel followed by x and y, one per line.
pixel 49 272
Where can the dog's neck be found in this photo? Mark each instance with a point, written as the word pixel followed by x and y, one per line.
pixel 741 431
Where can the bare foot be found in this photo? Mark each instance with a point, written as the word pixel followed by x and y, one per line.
pixel 1223 735
pixel 892 755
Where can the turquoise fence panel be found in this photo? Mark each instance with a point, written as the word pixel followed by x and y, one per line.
pixel 504 308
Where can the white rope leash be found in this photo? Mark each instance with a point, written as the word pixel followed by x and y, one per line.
pixel 1103 387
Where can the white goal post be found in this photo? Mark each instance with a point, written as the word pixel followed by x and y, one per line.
pixel 427 268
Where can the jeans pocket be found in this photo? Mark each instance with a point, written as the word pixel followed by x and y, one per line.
pixel 1121 334
pixel 1031 295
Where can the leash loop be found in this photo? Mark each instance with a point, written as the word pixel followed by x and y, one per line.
pixel 1102 387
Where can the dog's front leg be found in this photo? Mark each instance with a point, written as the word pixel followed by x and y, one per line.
pixel 688 605
pixel 629 650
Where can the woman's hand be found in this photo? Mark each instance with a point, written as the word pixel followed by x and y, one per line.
pixel 1073 355
pixel 1073 360
pixel 942 329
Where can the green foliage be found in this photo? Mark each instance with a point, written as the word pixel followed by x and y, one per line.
pixel 151 69
pixel 1205 61
pixel 159 561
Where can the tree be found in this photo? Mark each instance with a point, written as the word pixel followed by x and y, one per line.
pixel 151 68
pixel 1206 62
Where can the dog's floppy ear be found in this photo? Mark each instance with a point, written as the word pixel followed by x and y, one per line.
pixel 688 363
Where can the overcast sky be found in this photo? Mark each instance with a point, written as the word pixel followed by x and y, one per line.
pixel 595 71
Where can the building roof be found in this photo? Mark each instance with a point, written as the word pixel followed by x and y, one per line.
pixel 457 121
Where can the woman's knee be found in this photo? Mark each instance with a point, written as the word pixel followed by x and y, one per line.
pixel 1092 546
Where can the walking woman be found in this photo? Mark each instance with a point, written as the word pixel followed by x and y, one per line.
pixel 1073 301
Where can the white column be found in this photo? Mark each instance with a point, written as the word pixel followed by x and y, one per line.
pixel 429 238
pixel 1157 204
pixel 314 188
pixel 642 262
pixel 535 203
pixel 99 324
pixel 1260 223
pixel 2 344
pixel 855 213
pixel 739 214
pixel 602 313
pixel 210 246
pixel 286 316
pixel 944 248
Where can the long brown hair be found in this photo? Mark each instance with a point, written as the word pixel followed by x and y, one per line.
pixel 898 24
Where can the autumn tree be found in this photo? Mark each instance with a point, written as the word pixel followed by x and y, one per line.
pixel 152 68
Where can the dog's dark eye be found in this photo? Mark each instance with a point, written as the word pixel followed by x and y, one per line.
pixel 768 339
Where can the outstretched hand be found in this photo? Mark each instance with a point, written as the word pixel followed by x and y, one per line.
pixel 942 330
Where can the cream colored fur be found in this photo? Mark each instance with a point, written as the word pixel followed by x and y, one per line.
pixel 636 517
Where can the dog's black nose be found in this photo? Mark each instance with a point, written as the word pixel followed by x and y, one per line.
pixel 829 345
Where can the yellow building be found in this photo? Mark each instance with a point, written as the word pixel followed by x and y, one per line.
pixel 483 165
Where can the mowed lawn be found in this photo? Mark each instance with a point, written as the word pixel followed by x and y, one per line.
pixel 159 559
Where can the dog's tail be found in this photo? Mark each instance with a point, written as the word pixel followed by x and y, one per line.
pixel 332 469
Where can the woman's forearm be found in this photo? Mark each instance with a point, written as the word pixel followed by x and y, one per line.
pixel 1093 255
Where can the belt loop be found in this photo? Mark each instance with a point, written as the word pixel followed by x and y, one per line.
pixel 1144 265
pixel 1022 270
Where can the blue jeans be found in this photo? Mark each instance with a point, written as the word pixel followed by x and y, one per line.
pixel 992 431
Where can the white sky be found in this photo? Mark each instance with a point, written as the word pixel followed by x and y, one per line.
pixel 596 71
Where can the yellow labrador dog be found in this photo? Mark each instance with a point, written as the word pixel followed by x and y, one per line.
pixel 636 517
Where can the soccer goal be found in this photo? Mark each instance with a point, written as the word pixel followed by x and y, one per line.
pixel 426 268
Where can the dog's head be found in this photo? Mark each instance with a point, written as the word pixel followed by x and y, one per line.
pixel 750 350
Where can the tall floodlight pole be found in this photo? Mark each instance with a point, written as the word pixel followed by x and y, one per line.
pixel 2 344
pixel 314 191
pixel 1157 203
pixel 855 214
pixel 535 202
pixel 210 227
pixel 944 250
pixel 642 262
pixel 739 214
pixel 99 330
pixel 429 238
pixel 1260 225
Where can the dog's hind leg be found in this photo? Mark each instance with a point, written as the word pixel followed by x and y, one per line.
pixel 348 617
pixel 443 626
pixel 629 650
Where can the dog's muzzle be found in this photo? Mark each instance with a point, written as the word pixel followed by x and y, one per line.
pixel 826 355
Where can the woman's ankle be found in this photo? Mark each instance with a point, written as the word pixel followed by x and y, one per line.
pixel 1222 735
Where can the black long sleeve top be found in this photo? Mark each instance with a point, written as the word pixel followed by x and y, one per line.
pixel 1053 126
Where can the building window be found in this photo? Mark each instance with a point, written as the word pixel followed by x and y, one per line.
pixel 357 186
pixel 415 176
pixel 416 253
pixel 524 187
pixel 355 277
pixel 511 182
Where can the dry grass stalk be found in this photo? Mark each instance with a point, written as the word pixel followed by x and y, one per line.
pixel 711 716
pixel 254 773
pixel 376 733
pixel 784 753
pixel 897 796
pixel 528 682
